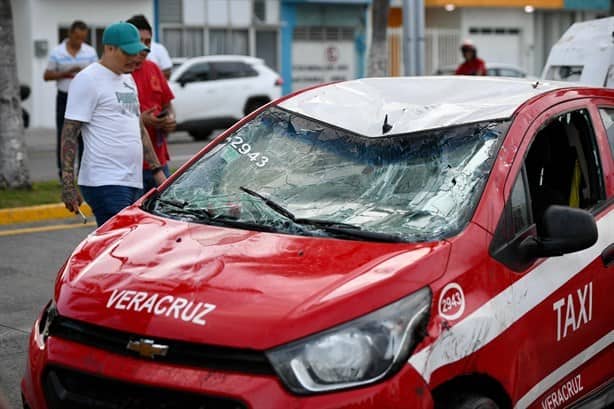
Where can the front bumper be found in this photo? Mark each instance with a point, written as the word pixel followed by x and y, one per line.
pixel 65 364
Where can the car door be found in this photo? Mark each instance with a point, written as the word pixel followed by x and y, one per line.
pixel 565 301
pixel 237 80
pixel 197 96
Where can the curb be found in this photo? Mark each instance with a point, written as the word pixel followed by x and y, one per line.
pixel 39 213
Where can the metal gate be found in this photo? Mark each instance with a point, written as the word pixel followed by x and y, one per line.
pixel 441 49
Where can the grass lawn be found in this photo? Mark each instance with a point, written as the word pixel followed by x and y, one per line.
pixel 40 193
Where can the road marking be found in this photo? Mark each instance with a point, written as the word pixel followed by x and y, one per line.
pixel 27 230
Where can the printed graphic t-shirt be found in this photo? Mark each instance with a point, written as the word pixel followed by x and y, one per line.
pixel 108 105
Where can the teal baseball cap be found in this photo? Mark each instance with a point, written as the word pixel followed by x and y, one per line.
pixel 125 36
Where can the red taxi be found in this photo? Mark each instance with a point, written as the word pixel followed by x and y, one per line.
pixel 441 242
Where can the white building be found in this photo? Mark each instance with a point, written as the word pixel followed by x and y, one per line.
pixel 40 25
pixel 515 32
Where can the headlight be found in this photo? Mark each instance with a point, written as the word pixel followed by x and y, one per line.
pixel 47 317
pixel 359 352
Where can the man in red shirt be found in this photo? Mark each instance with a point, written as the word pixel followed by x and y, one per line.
pixel 157 112
pixel 472 65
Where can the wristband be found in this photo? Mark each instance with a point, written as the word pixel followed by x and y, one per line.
pixel 156 170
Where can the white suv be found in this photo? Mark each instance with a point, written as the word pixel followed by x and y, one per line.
pixel 213 92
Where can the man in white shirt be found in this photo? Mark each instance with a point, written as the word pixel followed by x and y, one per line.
pixel 103 104
pixel 158 52
pixel 65 61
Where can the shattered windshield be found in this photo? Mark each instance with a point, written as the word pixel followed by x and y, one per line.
pixel 287 173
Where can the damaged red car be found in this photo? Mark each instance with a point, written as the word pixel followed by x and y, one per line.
pixel 441 242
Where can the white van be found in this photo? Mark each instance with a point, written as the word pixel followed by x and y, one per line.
pixel 584 54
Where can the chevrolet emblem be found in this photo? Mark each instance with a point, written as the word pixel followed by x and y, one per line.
pixel 147 348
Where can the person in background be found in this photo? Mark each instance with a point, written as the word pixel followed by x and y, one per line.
pixel 158 53
pixel 472 64
pixel 103 103
pixel 157 112
pixel 65 61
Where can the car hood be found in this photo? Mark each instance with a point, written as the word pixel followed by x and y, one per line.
pixel 157 277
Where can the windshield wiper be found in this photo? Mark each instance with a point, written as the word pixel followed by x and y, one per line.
pixel 289 215
pixel 329 226
pixel 362 234
pixel 179 206
pixel 273 205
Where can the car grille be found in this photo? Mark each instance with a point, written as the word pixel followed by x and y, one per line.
pixel 181 353
pixel 68 389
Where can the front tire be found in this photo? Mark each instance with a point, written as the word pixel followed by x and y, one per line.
pixel 472 401
pixel 200 135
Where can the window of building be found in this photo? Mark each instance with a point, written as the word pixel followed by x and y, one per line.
pixel 170 11
pixel 222 41
pixel 94 37
pixel 323 33
pixel 260 10
pixel 193 42
pixel 172 38
pixel 607 116
pixel 266 47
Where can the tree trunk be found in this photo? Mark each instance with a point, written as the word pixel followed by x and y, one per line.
pixel 13 168
pixel 378 53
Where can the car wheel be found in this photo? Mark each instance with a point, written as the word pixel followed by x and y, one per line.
pixel 200 135
pixel 254 104
pixel 472 401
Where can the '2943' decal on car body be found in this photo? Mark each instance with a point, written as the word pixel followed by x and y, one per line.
pixel 156 304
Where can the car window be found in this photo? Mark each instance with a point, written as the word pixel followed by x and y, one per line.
pixel 520 214
pixel 197 72
pixel 508 72
pixel 230 70
pixel 570 73
pixel 563 166
pixel 607 116
pixel 609 78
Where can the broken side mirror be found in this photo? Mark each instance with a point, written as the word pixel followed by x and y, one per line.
pixel 564 230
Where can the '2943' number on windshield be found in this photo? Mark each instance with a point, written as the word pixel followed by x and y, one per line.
pixel 245 149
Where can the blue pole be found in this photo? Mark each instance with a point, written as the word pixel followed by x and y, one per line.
pixel 288 21
pixel 156 18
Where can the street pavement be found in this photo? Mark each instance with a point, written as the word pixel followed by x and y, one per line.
pixel 28 267
pixel 40 144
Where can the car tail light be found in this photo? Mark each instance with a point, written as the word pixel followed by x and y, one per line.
pixel 279 82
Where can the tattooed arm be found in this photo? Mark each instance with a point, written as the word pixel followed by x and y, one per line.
pixel 70 134
pixel 149 154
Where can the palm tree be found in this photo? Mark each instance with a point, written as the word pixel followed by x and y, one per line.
pixel 13 169
pixel 378 53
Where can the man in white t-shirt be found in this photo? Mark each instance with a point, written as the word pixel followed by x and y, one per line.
pixel 103 105
pixel 157 53
pixel 65 61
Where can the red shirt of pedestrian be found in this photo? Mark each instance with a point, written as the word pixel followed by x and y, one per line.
pixel 155 93
pixel 472 65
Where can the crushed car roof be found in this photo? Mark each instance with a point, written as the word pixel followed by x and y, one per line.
pixel 414 103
